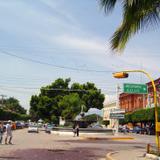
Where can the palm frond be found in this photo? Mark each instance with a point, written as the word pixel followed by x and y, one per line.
pixel 108 5
pixel 120 38
pixel 136 16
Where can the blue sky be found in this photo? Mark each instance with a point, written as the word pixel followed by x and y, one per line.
pixel 67 33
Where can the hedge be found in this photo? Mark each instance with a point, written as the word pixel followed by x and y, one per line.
pixel 142 115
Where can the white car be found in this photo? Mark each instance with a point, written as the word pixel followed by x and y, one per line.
pixel 49 128
pixel 33 128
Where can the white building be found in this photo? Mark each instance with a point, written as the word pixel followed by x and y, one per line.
pixel 109 104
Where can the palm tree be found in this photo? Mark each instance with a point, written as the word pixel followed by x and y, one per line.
pixel 137 14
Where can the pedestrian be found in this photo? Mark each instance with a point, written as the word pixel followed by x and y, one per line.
pixel 74 130
pixel 1 132
pixel 77 130
pixel 124 129
pixel 8 133
pixel 113 129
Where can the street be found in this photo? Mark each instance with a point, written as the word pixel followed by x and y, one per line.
pixel 48 146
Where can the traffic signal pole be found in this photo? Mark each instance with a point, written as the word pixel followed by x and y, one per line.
pixel 124 74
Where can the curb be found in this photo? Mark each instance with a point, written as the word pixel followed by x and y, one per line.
pixel 109 157
pixel 122 138
pixel 107 138
pixel 151 157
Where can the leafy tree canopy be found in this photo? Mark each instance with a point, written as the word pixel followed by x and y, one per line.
pixel 12 104
pixel 62 99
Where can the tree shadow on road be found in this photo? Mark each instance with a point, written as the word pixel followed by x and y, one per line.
pixel 78 153
pixel 8 157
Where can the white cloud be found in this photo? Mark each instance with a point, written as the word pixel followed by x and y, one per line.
pixel 140 61
pixel 57 7
pixel 80 43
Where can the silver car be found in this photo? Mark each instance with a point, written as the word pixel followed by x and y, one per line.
pixel 33 128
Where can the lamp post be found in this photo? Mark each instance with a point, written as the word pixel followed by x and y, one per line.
pixel 124 74
pixel 82 111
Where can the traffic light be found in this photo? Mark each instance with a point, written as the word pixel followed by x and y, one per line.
pixel 120 75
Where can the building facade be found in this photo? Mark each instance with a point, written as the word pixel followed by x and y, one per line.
pixel 106 113
pixel 132 102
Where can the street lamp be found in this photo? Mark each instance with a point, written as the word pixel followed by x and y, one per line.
pixel 82 111
pixel 124 74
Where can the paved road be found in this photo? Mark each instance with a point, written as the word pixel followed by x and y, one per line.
pixel 32 146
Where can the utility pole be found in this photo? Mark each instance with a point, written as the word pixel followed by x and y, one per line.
pixel 117 107
pixel 2 99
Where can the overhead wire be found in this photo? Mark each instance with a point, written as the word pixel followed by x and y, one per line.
pixel 139 53
pixel 56 66
pixel 26 89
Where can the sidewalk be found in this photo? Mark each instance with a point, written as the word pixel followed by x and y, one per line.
pixel 129 155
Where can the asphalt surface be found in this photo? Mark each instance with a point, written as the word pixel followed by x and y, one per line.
pixel 43 146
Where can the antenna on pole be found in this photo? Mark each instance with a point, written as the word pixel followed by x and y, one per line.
pixel 2 99
pixel 117 106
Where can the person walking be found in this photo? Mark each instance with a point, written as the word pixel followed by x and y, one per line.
pixel 124 129
pixel 8 133
pixel 74 130
pixel 77 130
pixel 1 132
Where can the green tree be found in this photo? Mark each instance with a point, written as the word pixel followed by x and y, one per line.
pixel 137 14
pixel 13 105
pixel 93 98
pixel 70 105
pixel 56 88
pixel 34 107
pixel 62 99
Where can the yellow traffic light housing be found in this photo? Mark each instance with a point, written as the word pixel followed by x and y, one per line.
pixel 120 75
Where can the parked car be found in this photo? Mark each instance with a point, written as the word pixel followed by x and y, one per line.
pixel 138 129
pixel 33 128
pixel 150 130
pixel 123 129
pixel 26 125
pixel 19 125
pixel 49 128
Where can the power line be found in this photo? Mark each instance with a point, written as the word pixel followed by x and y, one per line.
pixel 52 65
pixel 52 89
pixel 34 47
pixel 14 78
pixel 141 53
pixel 17 91
pixel 30 90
